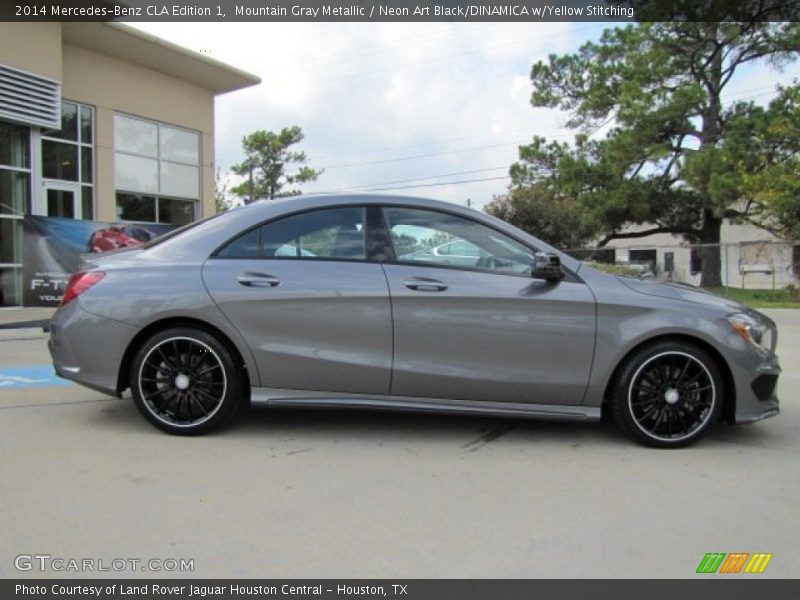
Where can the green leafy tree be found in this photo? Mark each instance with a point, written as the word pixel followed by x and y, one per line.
pixel 557 219
pixel 439 238
pixel 674 158
pixel 772 179
pixel 268 156
pixel 221 202
pixel 405 244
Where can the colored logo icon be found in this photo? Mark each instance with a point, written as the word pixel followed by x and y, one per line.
pixel 734 562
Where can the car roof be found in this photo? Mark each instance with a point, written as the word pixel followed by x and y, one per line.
pixel 206 237
pixel 324 200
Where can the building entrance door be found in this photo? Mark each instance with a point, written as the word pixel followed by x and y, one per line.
pixel 62 200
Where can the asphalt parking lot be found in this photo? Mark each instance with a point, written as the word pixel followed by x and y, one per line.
pixel 345 494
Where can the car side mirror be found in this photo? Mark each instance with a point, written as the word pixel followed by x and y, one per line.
pixel 547 266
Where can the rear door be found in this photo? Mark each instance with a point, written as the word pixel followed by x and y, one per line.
pixel 473 324
pixel 314 310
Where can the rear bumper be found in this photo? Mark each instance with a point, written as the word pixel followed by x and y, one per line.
pixel 87 348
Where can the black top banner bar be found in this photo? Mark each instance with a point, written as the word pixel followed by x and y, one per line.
pixel 620 11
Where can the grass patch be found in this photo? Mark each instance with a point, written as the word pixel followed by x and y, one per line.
pixel 786 298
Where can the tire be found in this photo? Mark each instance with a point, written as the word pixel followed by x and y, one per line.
pixel 185 381
pixel 667 394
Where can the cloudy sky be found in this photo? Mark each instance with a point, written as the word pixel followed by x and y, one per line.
pixel 424 109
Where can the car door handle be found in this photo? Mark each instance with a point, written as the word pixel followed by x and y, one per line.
pixel 425 285
pixel 258 280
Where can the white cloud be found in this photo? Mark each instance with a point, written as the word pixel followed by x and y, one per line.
pixel 367 92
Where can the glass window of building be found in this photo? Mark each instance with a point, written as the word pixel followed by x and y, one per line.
pixel 67 166
pixel 157 171
pixel 15 201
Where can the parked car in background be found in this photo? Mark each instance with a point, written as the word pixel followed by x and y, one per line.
pixel 308 302
pixel 464 253
pixel 118 236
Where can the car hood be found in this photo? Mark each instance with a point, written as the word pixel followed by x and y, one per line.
pixel 678 291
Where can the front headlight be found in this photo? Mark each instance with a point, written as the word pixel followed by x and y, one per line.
pixel 752 331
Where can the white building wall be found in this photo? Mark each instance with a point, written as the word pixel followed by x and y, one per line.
pixel 751 256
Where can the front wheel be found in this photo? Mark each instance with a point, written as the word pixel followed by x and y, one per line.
pixel 667 394
pixel 184 381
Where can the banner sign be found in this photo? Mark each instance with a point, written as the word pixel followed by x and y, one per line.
pixel 53 246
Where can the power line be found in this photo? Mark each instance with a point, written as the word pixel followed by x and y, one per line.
pixel 470 172
pixel 420 144
pixel 418 156
pixel 424 185
pixel 375 187
pixel 442 57
pixel 381 48
pixel 562 137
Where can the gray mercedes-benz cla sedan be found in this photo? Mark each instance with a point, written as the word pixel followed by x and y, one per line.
pixel 403 303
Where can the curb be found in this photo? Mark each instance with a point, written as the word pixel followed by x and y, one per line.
pixel 43 324
pixel 21 333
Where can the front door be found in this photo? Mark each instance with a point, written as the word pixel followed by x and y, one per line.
pixel 471 324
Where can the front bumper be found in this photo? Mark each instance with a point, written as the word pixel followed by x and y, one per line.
pixel 87 348
pixel 756 390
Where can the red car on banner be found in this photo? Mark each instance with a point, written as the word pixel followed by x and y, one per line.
pixel 118 236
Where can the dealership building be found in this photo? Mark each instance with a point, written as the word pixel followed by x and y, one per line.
pixel 100 121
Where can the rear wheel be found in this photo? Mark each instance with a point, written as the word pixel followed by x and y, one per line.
pixel 667 394
pixel 184 381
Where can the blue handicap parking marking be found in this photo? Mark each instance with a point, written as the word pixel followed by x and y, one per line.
pixel 33 376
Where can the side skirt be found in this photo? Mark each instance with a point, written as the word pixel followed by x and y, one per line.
pixel 273 397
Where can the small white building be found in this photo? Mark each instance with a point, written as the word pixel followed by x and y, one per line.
pixel 751 257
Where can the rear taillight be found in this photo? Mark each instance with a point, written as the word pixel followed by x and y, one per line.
pixel 79 283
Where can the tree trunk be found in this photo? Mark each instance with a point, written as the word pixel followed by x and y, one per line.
pixel 710 259
pixel 711 265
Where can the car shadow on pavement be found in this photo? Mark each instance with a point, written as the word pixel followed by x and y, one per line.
pixel 470 433
pixel 334 425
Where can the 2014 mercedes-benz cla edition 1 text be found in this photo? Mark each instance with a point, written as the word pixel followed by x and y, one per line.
pixel 403 303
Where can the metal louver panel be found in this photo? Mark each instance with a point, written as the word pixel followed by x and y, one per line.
pixel 29 99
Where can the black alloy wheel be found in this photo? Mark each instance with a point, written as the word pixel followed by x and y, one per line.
pixel 668 394
pixel 184 381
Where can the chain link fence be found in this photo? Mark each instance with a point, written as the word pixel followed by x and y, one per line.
pixel 758 265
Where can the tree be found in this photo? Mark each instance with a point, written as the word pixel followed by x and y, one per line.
pixel 221 203
pixel 773 183
pixel 267 157
pixel 674 155
pixel 558 220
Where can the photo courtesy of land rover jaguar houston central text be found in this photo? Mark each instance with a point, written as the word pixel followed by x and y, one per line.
pixel 408 304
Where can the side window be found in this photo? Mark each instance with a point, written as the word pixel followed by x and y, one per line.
pixel 245 246
pixel 440 239
pixel 329 233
